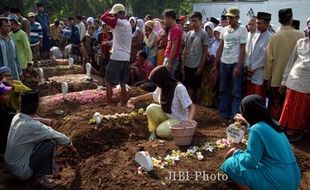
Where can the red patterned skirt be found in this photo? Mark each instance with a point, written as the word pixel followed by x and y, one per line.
pixel 255 89
pixel 296 111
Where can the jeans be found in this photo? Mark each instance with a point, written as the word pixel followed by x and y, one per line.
pixel 230 91
pixel 175 64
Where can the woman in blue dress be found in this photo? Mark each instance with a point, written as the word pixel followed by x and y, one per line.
pixel 268 161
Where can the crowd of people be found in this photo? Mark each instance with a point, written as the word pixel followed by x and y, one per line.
pixel 180 61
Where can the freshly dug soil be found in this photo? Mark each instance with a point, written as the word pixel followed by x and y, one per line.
pixel 106 152
pixel 76 82
pixel 60 70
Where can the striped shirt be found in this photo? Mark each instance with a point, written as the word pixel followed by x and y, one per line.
pixel 25 133
pixel 35 33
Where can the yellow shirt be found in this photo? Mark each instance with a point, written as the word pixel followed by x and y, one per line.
pixel 55 31
pixel 15 94
pixel 279 50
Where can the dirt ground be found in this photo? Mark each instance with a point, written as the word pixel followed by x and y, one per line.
pixel 76 82
pixel 106 152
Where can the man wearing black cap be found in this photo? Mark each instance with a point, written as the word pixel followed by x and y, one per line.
pixel 279 49
pixel 30 150
pixel 24 23
pixel 296 24
pixel 256 59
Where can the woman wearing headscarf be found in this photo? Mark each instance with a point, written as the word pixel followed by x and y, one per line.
pixel 174 104
pixel 162 33
pixel 140 25
pixel 137 39
pixel 158 27
pixel 90 21
pixel 268 161
pixel 150 40
pixel 209 27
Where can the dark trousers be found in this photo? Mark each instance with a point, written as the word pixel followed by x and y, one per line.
pixel 230 91
pixel 42 159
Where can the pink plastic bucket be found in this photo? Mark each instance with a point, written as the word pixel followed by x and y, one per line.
pixel 183 133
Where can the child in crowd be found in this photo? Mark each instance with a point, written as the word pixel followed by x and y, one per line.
pixel 17 87
pixel 210 81
pixel 88 43
pixel 105 40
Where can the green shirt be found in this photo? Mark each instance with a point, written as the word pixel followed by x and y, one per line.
pixel 23 49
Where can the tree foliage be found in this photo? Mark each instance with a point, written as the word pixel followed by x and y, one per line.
pixel 66 8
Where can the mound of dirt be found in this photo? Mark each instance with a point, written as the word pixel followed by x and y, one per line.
pixel 60 70
pixel 46 63
pixel 106 152
pixel 76 82
pixel 72 101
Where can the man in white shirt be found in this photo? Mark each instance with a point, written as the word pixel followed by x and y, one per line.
pixel 256 55
pixel 231 52
pixel 118 66
pixel 81 26
pixel 30 149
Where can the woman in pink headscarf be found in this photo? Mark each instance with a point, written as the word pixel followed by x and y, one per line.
pixel 162 40
pixel 158 28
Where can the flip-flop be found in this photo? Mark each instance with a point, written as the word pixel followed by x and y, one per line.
pixel 152 136
pixel 47 183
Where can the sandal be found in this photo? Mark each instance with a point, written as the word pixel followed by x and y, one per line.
pixel 47 183
pixel 152 136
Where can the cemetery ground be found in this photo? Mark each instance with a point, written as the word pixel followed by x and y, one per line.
pixel 107 150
